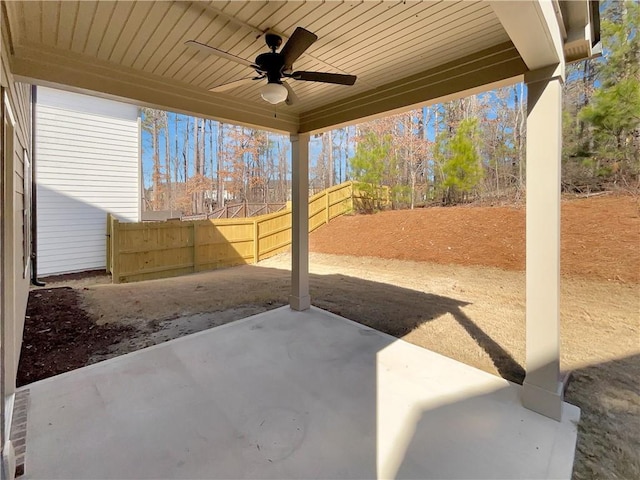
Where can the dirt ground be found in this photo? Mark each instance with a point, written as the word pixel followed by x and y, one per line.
pixel 421 282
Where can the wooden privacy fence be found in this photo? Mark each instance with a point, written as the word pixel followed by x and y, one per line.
pixel 239 210
pixel 146 251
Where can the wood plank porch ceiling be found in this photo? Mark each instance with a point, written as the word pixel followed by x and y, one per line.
pixel 381 42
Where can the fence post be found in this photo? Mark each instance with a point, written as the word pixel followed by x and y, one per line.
pixel 115 251
pixel 326 205
pixel 353 192
pixel 108 243
pixel 256 241
pixel 194 231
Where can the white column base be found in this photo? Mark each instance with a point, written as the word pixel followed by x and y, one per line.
pixel 300 303
pixel 543 401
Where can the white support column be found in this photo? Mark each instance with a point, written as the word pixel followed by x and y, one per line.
pixel 542 389
pixel 300 299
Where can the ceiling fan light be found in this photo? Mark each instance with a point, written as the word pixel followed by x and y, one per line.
pixel 274 93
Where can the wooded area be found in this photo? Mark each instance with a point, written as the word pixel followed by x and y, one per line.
pixel 468 149
pixel 198 164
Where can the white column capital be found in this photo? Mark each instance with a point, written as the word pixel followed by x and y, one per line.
pixel 299 137
pixel 534 29
pixel 545 74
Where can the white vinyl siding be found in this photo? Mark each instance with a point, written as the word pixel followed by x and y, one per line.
pixel 87 165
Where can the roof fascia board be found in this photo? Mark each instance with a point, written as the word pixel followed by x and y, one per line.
pixel 490 68
pixel 52 68
pixel 533 28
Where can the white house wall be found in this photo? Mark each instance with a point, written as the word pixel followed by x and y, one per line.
pixel 87 154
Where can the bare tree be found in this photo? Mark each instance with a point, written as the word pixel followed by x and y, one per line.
pixel 219 167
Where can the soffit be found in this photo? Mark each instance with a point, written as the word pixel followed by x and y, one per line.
pixel 380 42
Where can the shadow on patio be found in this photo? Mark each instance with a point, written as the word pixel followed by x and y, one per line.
pixel 408 310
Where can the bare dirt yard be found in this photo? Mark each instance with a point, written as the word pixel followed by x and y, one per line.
pixel 448 279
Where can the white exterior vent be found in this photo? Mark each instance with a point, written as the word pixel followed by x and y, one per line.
pixel 87 165
pixel 577 50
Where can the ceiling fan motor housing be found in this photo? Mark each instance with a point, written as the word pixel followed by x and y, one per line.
pixel 273 41
pixel 271 64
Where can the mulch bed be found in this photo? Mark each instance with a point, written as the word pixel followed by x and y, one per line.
pixel 59 336
pixel 600 237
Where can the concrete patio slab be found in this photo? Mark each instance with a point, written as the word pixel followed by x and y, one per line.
pixel 288 394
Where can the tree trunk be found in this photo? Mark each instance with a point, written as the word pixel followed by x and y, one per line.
pixel 201 154
pixel 167 162
pixel 212 154
pixel 196 166
pixel 156 162
pixel 413 189
pixel 521 122
pixel 220 180
pixel 175 149
pixel 185 160
pixel 330 159
pixel 347 143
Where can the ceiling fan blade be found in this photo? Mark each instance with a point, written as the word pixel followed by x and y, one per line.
pixel 292 98
pixel 214 51
pixel 236 83
pixel 296 46
pixel 323 77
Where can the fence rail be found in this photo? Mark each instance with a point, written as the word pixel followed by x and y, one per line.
pixel 146 251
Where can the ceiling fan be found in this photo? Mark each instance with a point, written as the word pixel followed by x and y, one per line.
pixel 276 66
